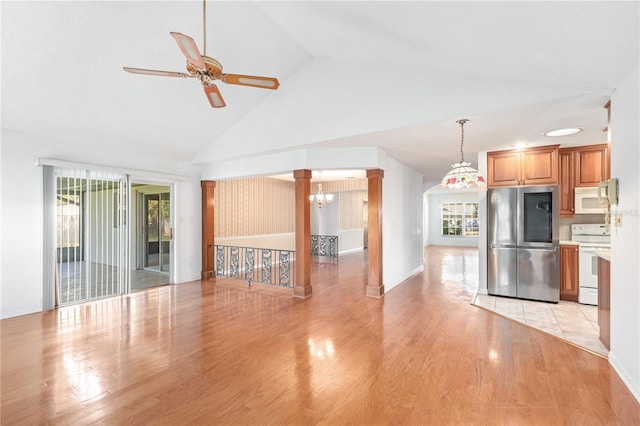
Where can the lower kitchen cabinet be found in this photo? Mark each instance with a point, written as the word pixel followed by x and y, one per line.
pixel 569 285
pixel 604 301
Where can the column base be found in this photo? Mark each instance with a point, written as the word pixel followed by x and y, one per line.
pixel 303 292
pixel 205 275
pixel 375 291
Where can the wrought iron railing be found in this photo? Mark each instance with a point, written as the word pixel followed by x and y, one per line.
pixel 324 245
pixel 261 265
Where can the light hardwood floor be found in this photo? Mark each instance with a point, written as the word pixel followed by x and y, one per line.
pixel 220 353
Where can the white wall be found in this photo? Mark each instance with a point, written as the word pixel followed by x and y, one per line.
pixel 285 241
pixel 325 220
pixel 367 157
pixel 402 250
pixel 21 279
pixel 425 219
pixel 625 247
pixel 434 220
pixel 350 240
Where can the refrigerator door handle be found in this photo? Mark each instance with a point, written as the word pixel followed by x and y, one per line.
pixel 502 246
pixel 540 248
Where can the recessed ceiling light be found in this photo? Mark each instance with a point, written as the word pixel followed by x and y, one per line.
pixel 564 132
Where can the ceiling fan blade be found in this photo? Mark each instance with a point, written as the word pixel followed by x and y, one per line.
pixel 214 96
pixel 251 80
pixel 156 72
pixel 189 49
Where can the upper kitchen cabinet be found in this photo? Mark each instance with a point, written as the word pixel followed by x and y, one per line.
pixel 581 166
pixel 534 166
pixel 591 164
pixel 567 182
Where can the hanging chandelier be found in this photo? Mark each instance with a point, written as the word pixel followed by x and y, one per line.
pixel 320 198
pixel 462 175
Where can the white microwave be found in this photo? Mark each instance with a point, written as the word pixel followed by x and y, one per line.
pixel 587 201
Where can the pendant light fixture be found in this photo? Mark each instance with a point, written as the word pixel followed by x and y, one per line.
pixel 462 175
pixel 320 198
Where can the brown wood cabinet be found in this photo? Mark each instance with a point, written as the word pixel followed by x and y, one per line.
pixel 579 167
pixel 591 165
pixel 569 285
pixel 566 182
pixel 604 301
pixel 535 166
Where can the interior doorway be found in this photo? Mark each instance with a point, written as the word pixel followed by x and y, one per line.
pixel 152 234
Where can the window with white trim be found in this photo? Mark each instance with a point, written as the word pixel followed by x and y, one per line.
pixel 459 219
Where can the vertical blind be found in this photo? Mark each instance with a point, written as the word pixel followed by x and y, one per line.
pixel 91 243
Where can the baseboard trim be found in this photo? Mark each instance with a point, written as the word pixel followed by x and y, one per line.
pixel 406 277
pixel 624 375
pixel 349 251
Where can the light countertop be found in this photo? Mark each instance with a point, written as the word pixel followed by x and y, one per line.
pixel 568 242
pixel 605 254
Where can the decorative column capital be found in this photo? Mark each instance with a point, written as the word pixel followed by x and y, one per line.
pixel 375 173
pixel 302 173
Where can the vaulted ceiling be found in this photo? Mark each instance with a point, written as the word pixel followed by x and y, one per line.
pixel 392 74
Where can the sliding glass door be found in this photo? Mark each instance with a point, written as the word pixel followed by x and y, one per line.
pixel 104 235
pixel 151 234
pixel 157 235
pixel 91 236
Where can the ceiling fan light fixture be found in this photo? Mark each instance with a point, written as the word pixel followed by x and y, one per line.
pixel 462 175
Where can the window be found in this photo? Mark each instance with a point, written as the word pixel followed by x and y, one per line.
pixel 460 219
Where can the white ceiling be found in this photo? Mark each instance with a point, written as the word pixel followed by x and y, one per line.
pixel 393 74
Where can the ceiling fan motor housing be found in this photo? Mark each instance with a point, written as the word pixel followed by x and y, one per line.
pixel 213 68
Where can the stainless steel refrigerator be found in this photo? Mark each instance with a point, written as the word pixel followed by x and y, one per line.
pixel 522 239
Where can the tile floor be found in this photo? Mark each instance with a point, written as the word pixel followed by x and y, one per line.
pixel 570 321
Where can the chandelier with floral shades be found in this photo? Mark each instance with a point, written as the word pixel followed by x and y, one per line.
pixel 462 175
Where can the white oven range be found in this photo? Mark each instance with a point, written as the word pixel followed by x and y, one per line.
pixel 591 238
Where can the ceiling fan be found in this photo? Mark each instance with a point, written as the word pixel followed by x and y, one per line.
pixel 207 69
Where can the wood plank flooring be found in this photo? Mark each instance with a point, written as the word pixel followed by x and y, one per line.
pixel 220 353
